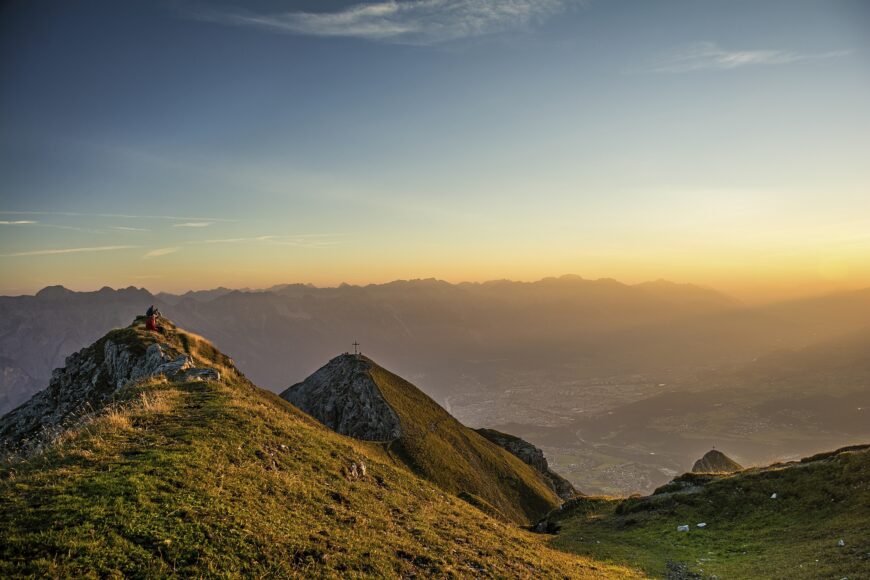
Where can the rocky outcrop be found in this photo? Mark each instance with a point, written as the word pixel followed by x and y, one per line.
pixel 89 379
pixel 715 461
pixel 355 396
pixel 343 396
pixel 534 457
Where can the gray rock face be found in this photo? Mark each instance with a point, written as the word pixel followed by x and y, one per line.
pixel 90 378
pixel 343 396
pixel 534 457
pixel 199 375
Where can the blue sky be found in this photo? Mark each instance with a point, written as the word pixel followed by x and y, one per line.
pixel 204 143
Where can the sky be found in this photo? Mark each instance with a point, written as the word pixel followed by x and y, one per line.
pixel 186 145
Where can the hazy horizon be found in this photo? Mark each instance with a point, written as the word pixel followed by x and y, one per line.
pixel 751 300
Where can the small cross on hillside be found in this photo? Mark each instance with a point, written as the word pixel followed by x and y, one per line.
pixel 355 347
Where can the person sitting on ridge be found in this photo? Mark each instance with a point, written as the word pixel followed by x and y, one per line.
pixel 151 316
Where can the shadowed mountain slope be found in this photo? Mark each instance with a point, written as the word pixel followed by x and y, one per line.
pixel 355 396
pixel 203 476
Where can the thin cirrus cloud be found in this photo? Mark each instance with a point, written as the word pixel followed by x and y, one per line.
pixel 192 225
pixel 710 56
pixel 160 252
pixel 117 215
pixel 128 229
pixel 17 222
pixel 421 22
pixel 67 251
pixel 300 240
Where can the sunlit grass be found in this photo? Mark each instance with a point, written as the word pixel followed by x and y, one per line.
pixel 217 479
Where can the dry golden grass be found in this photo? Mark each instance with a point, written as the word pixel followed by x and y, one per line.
pixel 156 401
pixel 113 419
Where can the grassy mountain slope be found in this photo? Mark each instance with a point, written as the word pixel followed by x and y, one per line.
pixel 458 459
pixel 223 478
pixel 819 501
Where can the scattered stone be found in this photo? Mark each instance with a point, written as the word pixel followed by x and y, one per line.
pixel 355 471
pixel 199 375
pixel 680 571
pixel 683 528
pixel 773 496
pixel 841 543
pixel 702 525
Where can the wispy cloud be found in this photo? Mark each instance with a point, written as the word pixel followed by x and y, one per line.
pixel 16 222
pixel 67 251
pixel 300 240
pixel 160 252
pixel 419 22
pixel 192 225
pixel 128 229
pixel 119 216
pixel 710 56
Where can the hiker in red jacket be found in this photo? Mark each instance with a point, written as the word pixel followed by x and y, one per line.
pixel 151 323
pixel 151 319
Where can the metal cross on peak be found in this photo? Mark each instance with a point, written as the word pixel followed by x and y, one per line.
pixel 355 347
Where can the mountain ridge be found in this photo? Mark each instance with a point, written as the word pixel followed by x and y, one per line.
pixel 357 397
pixel 211 476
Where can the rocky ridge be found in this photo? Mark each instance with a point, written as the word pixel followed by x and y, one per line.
pixel 354 396
pixel 534 457
pixel 91 377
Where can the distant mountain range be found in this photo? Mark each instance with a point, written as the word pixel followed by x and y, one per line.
pixel 545 360
pixel 593 326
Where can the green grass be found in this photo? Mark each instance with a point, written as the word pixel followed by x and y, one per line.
pixel 458 459
pixel 227 480
pixel 748 534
